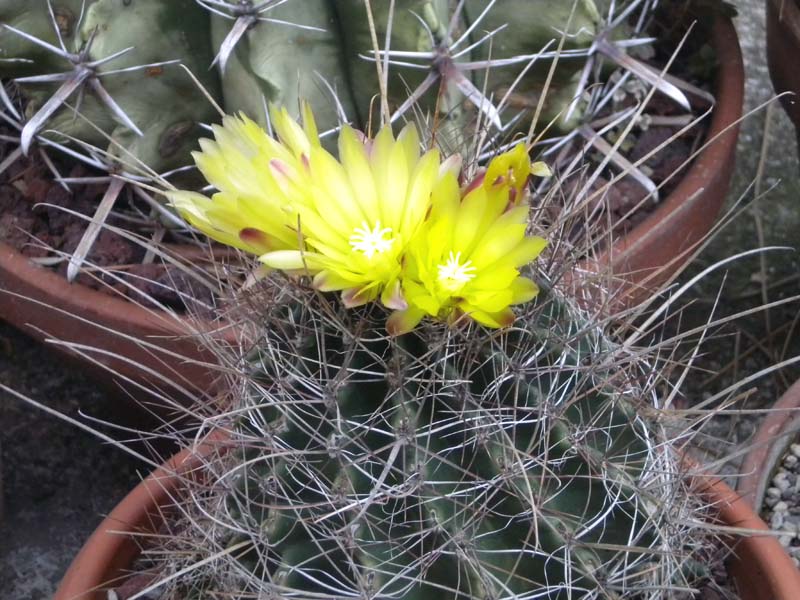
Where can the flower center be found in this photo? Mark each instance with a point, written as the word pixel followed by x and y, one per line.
pixel 453 275
pixel 371 241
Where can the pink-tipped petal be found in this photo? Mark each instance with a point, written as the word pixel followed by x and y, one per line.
pixel 403 321
pixel 257 239
pixel 392 297
pixel 475 183
pixel 354 297
pixel 494 320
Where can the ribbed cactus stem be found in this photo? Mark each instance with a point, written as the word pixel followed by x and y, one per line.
pixel 441 465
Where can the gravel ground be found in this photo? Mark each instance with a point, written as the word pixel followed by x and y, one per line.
pixel 782 502
pixel 59 481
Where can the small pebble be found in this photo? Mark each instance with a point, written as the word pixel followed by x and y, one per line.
pixel 773 492
pixel 790 525
pixel 785 540
pixel 781 481
pixel 795 449
pixel 790 461
pixel 776 521
pixel 770 501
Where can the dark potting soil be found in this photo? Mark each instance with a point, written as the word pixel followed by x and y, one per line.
pixel 626 201
pixel 36 218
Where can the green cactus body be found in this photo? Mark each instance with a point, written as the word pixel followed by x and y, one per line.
pixel 422 468
pixel 530 26
pixel 20 57
pixel 281 64
pixel 162 101
pixel 408 33
pixel 278 63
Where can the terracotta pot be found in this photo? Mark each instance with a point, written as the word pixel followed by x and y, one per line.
pixel 761 568
pixel 759 565
pixel 783 49
pixel 107 556
pixel 44 305
pixel 777 431
pixel 660 246
pixel 655 249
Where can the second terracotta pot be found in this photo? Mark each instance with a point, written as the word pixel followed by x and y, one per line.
pixel 779 429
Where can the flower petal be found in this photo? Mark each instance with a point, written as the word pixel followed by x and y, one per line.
pixel 292 260
pixel 354 297
pixel 541 169
pixel 403 321
pixel 523 290
pixel 359 172
pixel 289 132
pixel 496 320
pixel 392 296
pixel 419 194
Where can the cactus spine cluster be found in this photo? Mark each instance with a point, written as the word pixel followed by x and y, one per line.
pixel 159 100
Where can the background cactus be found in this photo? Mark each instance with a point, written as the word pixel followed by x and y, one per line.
pixel 445 463
pixel 282 60
pixel 158 108
pixel 440 62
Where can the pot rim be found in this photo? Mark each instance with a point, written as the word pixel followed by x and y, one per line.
pixel 104 307
pixel 760 564
pixel 774 435
pixel 112 549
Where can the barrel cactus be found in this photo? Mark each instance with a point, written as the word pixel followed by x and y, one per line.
pixel 449 425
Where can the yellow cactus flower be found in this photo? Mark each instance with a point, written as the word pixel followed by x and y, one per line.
pixel 251 210
pixel 383 221
pixel 357 214
pixel 346 222
pixel 466 258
